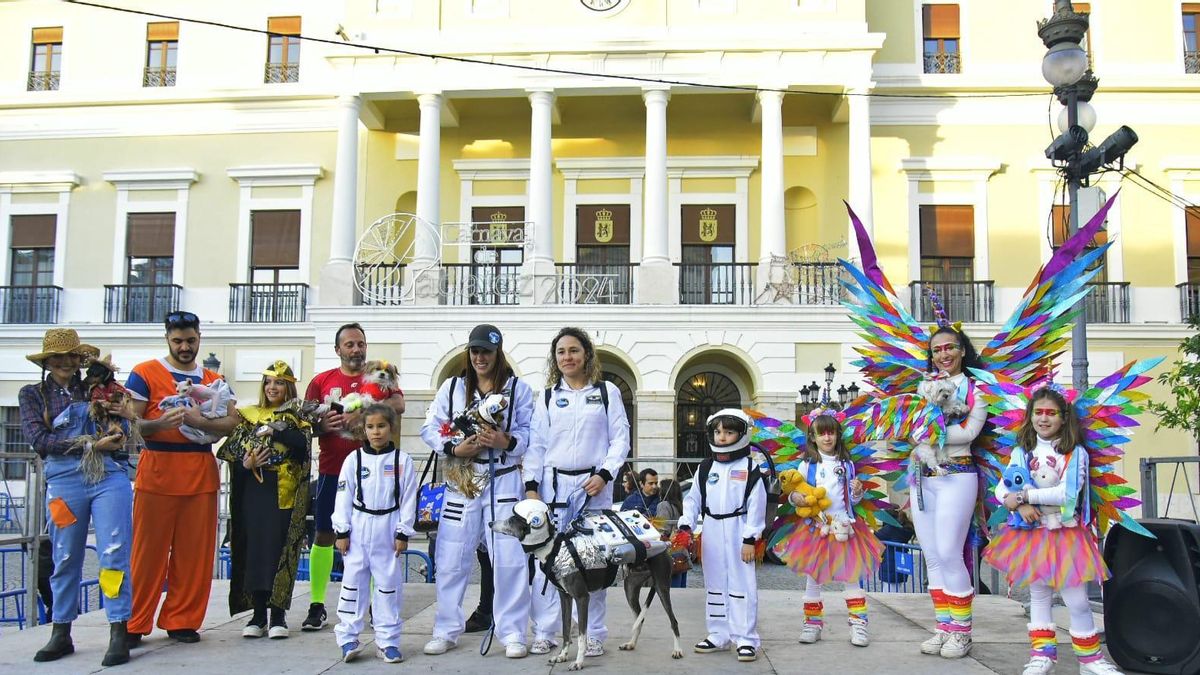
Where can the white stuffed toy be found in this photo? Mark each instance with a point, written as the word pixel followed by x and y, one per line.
pixel 212 400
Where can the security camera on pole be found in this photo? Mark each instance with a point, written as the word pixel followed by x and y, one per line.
pixel 1066 67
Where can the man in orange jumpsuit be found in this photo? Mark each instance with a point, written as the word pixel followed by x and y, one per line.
pixel 175 492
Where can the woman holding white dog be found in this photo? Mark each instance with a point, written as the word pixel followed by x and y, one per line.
pixel 483 484
pixel 947 496
pixel 580 438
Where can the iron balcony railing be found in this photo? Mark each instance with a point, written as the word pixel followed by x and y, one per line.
pixel 30 304
pixel 942 62
pixel 716 283
pixel 966 301
pixel 382 284
pixel 140 303
pixel 471 284
pixel 276 73
pixel 1189 300
pixel 268 303
pixel 1191 62
pixel 594 284
pixel 1108 302
pixel 158 77
pixel 817 283
pixel 43 80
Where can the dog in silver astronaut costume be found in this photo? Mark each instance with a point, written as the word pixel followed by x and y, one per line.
pixel 585 558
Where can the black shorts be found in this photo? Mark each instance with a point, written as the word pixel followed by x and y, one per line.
pixel 326 494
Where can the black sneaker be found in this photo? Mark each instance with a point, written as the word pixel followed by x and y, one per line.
pixel 746 653
pixel 185 635
pixel 316 617
pixel 478 623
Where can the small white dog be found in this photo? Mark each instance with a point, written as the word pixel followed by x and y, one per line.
pixel 939 390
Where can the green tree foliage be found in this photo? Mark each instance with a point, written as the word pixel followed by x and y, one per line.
pixel 1183 379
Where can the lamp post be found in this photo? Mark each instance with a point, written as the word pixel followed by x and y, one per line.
pixel 1065 66
pixel 811 396
pixel 212 363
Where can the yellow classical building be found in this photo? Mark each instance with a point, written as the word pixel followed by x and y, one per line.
pixel 668 174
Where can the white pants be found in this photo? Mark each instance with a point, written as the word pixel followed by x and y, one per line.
pixel 1074 597
pixel 942 528
pixel 464 521
pixel 372 556
pixel 545 611
pixel 731 602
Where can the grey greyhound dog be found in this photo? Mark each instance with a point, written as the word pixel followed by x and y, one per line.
pixel 578 563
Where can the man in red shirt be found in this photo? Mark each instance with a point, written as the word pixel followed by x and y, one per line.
pixel 350 344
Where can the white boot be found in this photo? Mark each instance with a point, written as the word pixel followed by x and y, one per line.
pixel 810 633
pixel 858 634
pixel 957 646
pixel 933 646
pixel 1101 667
pixel 1039 665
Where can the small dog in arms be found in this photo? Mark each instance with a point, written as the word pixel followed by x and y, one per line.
pixel 585 558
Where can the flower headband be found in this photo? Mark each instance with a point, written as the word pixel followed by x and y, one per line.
pixel 1068 394
pixel 822 410
pixel 280 370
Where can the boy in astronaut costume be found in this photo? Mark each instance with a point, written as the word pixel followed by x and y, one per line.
pixel 373 518
pixel 729 492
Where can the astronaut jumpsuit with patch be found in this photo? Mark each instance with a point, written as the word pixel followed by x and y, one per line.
pixel 375 506
pixel 731 518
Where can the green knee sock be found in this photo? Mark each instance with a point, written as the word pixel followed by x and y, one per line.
pixel 320 566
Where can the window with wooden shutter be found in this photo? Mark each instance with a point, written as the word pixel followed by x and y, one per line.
pixel 162 47
pixel 274 241
pixel 1192 220
pixel 283 49
pixel 45 59
pixel 947 242
pixel 1191 28
pixel 150 248
pixel 941 39
pixel 31 250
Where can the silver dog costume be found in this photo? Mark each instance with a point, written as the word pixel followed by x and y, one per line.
pixel 597 542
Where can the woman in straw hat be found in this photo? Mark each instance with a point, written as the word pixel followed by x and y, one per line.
pixel 269 464
pixel 54 420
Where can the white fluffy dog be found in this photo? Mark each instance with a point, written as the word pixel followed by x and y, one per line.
pixel 941 391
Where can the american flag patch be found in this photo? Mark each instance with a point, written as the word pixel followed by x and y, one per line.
pixel 389 469
pixel 738 474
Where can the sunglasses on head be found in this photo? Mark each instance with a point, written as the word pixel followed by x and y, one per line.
pixel 182 320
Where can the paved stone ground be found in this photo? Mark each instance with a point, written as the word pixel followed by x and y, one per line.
pixel 898 623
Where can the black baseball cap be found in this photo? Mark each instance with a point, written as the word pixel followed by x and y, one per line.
pixel 486 336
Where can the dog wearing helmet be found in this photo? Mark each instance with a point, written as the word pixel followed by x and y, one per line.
pixel 585 558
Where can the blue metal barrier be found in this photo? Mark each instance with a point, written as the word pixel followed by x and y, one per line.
pixel 17 594
pixel 901 571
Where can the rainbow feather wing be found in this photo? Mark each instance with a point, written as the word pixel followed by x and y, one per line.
pixel 1005 400
pixel 894 354
pixel 780 439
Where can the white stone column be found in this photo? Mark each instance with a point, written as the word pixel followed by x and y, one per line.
pixel 540 196
pixel 657 282
pixel 772 232
pixel 337 276
pixel 429 164
pixel 861 199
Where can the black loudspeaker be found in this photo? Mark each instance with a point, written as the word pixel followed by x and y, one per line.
pixel 1152 601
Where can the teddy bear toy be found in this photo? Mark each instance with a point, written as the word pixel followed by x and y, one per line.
pixel 809 501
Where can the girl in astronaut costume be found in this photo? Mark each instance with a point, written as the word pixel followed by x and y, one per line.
pixel 578 441
pixel 463 518
pixel 373 517
pixel 731 497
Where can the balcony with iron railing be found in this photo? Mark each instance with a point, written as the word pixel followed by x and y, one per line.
pixel 817 283
pixel 943 62
pixel 594 284
pixel 1191 62
pixel 158 77
pixel 43 80
pixel 30 304
pixel 382 284
pixel 1108 302
pixel 966 301
pixel 716 283
pixel 268 303
pixel 278 73
pixel 140 303
pixel 471 284
pixel 1189 300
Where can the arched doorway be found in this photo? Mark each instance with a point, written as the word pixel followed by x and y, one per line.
pixel 699 396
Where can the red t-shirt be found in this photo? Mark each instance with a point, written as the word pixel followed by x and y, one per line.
pixel 334 446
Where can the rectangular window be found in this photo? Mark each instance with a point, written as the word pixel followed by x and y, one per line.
pixel 1193 244
pixel 283 49
pixel 162 45
pixel 13 440
pixel 46 59
pixel 602 251
pixel 1061 225
pixel 947 243
pixel 32 250
pixel 708 239
pixel 1191 48
pixel 274 244
pixel 497 253
pixel 150 248
pixel 941 39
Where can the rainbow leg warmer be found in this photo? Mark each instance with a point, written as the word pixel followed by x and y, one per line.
pixel 1087 647
pixel 858 610
pixel 814 613
pixel 1043 642
pixel 960 612
pixel 941 608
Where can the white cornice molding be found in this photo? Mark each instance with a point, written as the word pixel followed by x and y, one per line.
pixel 492 169
pixel 711 166
pixel 601 167
pixel 1188 165
pixel 276 176
pixel 949 168
pixel 152 179
pixel 38 181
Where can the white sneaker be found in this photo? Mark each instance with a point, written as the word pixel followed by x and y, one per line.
pixel 253 630
pixel 933 646
pixel 1101 667
pixel 439 646
pixel 515 650
pixel 858 634
pixel 1039 665
pixel 957 646
pixel 810 633
pixel 542 646
pixel 594 647
pixel 278 632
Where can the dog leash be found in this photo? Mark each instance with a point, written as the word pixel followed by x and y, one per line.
pixel 486 644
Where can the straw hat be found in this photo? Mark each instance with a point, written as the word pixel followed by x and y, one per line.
pixel 62 341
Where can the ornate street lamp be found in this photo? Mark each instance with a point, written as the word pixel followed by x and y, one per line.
pixel 212 362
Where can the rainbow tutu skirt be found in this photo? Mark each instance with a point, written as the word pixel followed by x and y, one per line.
pixel 801 545
pixel 1061 558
